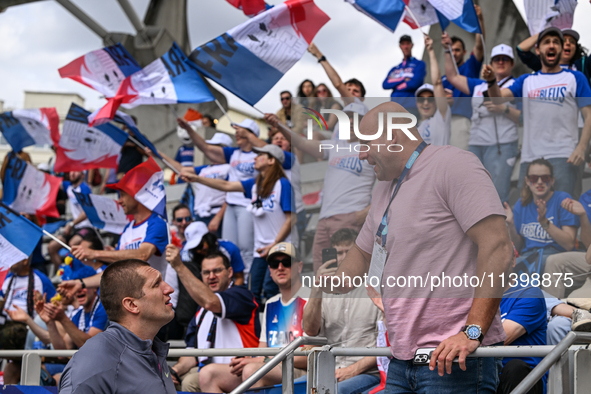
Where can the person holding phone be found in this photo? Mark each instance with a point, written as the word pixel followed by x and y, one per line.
pixel 539 226
pixel 270 194
pixel 353 318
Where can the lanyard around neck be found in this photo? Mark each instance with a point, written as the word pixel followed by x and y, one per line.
pixel 382 233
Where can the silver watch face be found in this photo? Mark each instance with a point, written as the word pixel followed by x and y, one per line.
pixel 473 332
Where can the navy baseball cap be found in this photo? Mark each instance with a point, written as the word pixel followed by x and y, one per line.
pixel 551 30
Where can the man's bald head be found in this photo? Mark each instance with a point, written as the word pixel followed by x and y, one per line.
pixel 389 155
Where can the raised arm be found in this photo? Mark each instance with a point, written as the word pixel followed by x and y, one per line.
pixel 311 147
pixel 527 44
pixel 332 74
pixel 438 91
pixel 499 96
pixel 578 156
pixel 188 175
pixel 212 152
pixel 478 46
pixel 458 81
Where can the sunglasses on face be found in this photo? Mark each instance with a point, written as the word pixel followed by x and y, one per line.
pixel 274 263
pixel 285 98
pixel 321 91
pixel 187 219
pixel 544 178
pixel 498 59
pixel 421 100
pixel 215 271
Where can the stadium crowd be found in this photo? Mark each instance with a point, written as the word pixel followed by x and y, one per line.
pixel 236 254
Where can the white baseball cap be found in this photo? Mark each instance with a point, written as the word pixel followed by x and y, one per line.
pixel 424 87
pixel 356 107
pixel 250 125
pixel 220 139
pixel 502 49
pixel 194 234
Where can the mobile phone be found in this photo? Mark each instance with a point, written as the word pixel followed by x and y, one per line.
pixel 422 356
pixel 329 254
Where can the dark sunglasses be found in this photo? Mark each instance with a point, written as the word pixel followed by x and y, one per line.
pixel 544 178
pixel 285 98
pixel 274 263
pixel 505 59
pixel 421 100
pixel 187 219
pixel 321 91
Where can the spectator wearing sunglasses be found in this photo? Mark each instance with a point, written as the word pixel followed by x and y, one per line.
pixel 435 124
pixel 181 218
pixel 493 133
pixel 539 226
pixel 270 194
pixel 226 317
pixel 281 324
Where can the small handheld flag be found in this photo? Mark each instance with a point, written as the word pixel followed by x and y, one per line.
pixel 103 212
pixel 18 237
pixel 26 127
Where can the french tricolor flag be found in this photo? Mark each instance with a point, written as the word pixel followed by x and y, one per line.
pixel 424 13
pixel 103 212
pixel 29 190
pixel 26 127
pixel 18 238
pixel 460 12
pixel 167 80
pixel 251 58
pixel 102 70
pixel 250 7
pixel 386 12
pixel 145 183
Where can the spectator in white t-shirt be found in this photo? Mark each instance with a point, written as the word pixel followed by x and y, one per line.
pixel 348 181
pixel 553 98
pixel 435 123
pixel 493 134
pixel 271 196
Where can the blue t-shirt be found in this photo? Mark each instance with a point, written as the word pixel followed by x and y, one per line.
pixel 96 318
pixel 527 225
pixel 412 69
pixel 585 200
pixel 232 252
pixel 527 307
pixel 185 155
pixel 470 69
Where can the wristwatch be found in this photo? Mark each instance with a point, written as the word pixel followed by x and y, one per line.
pixel 322 59
pixel 545 225
pixel 474 332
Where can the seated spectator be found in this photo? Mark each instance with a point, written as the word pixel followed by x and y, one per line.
pixel 523 313
pixel 75 230
pixel 282 323
pixel 405 78
pixel 538 225
pixel 351 320
pixel 92 241
pixel 431 103
pixel 18 291
pixel 226 318
pixel 573 266
pixel 563 318
pixel 493 134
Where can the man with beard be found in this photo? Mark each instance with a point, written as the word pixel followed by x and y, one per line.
pixel 550 112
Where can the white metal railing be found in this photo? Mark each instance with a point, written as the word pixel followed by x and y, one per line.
pixel 321 362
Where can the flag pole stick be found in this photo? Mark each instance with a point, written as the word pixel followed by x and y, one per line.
pixel 99 235
pixel 171 108
pixel 169 236
pixel 281 125
pixel 224 111
pixel 483 49
pixel 56 239
pixel 412 15
pixel 135 141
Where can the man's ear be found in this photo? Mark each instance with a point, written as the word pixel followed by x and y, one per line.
pixel 537 50
pixel 230 273
pixel 130 304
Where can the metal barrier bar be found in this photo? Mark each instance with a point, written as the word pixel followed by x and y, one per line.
pixel 552 357
pixel 286 351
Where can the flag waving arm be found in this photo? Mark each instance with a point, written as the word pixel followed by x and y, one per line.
pixel 212 152
pixel 458 81
pixel 311 147
pixel 479 38
pixel 332 74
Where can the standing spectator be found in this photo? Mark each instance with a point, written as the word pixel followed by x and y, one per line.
pixel 131 154
pixel 181 218
pixel 348 181
pixel 405 78
pixel 271 196
pixel 447 194
pixel 573 54
pixel 281 324
pixel 305 93
pixel 550 114
pixel 523 313
pixel 493 134
pixel 461 109
pixel 127 357
pixel 227 316
pixel 75 230
pixel 293 116
pixel 538 225
pixel 435 124
pixel 351 321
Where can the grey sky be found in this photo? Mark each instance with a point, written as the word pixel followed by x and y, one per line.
pixel 39 38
